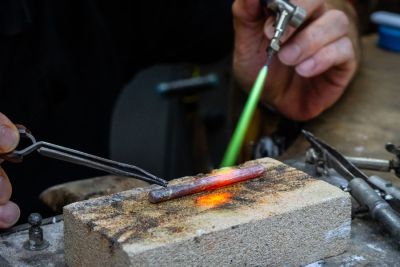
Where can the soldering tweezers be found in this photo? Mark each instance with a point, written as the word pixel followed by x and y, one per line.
pixel 78 157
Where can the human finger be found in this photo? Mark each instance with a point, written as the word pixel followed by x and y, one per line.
pixel 334 54
pixel 9 136
pixel 314 37
pixel 5 187
pixel 9 214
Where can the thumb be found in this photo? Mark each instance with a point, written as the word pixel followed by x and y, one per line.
pixel 9 214
pixel 9 136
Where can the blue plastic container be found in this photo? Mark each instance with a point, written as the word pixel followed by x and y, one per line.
pixel 389 30
pixel 389 38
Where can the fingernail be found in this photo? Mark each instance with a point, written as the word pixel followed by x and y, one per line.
pixel 9 213
pixel 8 138
pixel 306 67
pixel 290 53
pixel 270 31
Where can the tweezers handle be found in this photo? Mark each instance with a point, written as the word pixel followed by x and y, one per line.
pixel 78 157
pixel 98 163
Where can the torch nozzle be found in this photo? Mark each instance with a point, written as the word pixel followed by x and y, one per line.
pixel 270 55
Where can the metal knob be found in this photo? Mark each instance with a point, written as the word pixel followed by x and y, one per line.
pixel 36 241
pixel 298 17
pixel 286 14
pixel 296 14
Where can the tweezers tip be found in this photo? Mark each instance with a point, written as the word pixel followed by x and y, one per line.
pixel 164 184
pixel 161 182
pixel 307 134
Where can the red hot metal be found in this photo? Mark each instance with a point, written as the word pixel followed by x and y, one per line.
pixel 210 182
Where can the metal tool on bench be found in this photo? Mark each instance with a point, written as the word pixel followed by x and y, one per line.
pixel 286 14
pixel 190 86
pixel 381 165
pixel 361 187
pixel 78 157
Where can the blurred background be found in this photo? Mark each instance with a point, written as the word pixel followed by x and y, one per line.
pixel 365 8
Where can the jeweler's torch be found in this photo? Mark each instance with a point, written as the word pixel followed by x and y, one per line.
pixel 286 14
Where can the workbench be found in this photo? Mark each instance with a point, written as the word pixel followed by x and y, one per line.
pixel 358 125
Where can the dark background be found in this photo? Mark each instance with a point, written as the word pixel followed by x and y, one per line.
pixel 63 64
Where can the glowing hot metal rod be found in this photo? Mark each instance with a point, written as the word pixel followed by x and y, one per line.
pixel 214 181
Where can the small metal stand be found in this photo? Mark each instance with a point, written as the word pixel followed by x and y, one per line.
pixel 36 241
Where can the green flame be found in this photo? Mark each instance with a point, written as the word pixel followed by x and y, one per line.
pixel 236 142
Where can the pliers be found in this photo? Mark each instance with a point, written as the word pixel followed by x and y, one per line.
pixel 371 192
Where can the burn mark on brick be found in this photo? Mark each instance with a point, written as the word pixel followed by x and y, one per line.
pixel 107 200
pixel 91 225
pixel 117 205
pixel 144 223
pixel 175 229
pixel 304 177
pixel 244 200
pixel 114 238
pixel 278 179
pixel 137 230
pixel 256 185
pixel 139 220
pixel 227 206
pixel 281 169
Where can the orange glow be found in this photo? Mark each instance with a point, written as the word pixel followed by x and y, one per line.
pixel 214 200
pixel 223 177
pixel 223 170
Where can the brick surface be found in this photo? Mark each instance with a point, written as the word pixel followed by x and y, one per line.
pixel 283 218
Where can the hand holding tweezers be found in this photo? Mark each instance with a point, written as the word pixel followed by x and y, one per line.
pixel 80 158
